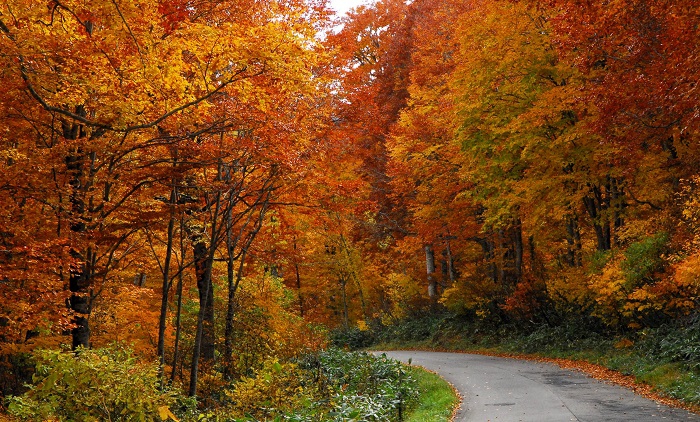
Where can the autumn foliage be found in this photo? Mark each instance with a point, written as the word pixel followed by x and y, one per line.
pixel 538 158
pixel 211 182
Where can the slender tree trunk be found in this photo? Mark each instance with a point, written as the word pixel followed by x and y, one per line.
pixel 488 248
pixel 518 249
pixel 208 343
pixel 538 268
pixel 353 275
pixel 573 239
pixel 196 354
pixel 203 256
pixel 430 269
pixel 344 298
pixel 234 280
pixel 617 199
pixel 162 322
pixel 204 335
pixel 232 287
pixel 501 261
pixel 450 261
pixel 595 204
pixel 298 280
pixel 578 246
pixel 178 310
pixel 80 305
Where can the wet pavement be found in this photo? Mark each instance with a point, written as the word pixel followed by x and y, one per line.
pixel 511 390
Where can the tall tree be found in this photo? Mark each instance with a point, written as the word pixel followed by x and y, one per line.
pixel 102 92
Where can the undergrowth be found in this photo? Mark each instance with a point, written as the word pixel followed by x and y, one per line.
pixel 331 385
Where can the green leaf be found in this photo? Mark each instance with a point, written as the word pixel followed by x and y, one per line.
pixel 49 382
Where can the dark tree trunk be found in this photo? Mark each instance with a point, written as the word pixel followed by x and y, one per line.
pixel 297 274
pixel 573 239
pixel 80 305
pixel 488 249
pixel 203 256
pixel 202 262
pixel 501 268
pixel 165 289
pixel 518 249
pixel 538 267
pixel 230 311
pixel 243 240
pixel 178 310
pixel 617 198
pixel 344 300
pixel 79 280
pixel 595 205
pixel 451 274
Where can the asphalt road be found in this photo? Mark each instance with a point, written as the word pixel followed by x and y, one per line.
pixel 511 390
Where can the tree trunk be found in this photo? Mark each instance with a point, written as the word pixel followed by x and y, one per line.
pixel 617 199
pixel 501 257
pixel 234 280
pixel 353 275
pixel 204 260
pixel 450 261
pixel 230 311
pixel 488 248
pixel 344 298
pixel 178 310
pixel 573 239
pixel 79 280
pixel 200 251
pixel 162 321
pixel 518 249
pixel 79 304
pixel 430 269
pixel 298 280
pixel 595 204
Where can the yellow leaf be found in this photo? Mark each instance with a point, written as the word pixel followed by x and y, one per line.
pixel 165 414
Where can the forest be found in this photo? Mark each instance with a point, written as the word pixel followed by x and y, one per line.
pixel 211 187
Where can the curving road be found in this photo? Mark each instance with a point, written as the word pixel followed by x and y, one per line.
pixel 510 390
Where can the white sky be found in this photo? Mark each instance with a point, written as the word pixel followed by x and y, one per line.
pixel 342 6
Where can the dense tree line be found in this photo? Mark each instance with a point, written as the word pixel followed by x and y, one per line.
pixel 537 159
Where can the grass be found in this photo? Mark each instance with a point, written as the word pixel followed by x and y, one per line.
pixel 672 379
pixel 437 399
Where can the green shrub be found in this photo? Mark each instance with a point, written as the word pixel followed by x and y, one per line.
pixel 414 329
pixel 598 260
pixel 351 338
pixel 643 259
pixel 673 343
pixel 93 385
pixel 368 387
pixel 562 338
pixel 332 385
pixel 277 388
